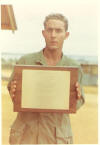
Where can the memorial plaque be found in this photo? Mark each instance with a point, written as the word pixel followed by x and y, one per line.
pixel 45 89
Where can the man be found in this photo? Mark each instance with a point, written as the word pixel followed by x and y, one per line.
pixel 46 128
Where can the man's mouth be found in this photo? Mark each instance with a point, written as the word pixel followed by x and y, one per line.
pixel 53 42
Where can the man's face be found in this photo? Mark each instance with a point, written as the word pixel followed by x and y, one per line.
pixel 54 34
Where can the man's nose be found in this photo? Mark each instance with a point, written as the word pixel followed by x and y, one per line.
pixel 53 34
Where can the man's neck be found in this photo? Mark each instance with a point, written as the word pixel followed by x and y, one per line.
pixel 52 56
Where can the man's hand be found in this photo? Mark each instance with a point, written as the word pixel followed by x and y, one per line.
pixel 13 89
pixel 78 90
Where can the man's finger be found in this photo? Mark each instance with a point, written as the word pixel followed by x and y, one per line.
pixel 13 96
pixel 14 81
pixel 14 86
pixel 13 90
pixel 78 90
pixel 77 84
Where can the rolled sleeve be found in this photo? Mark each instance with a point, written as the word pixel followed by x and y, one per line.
pixel 80 101
pixel 20 61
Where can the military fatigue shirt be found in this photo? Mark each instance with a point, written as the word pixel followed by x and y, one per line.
pixel 37 128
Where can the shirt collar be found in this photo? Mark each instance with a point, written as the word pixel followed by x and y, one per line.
pixel 41 59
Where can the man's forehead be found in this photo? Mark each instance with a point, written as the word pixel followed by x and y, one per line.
pixel 53 23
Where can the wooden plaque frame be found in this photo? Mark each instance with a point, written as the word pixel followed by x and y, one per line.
pixel 72 97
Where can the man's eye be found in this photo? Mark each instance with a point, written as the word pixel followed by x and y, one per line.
pixel 49 30
pixel 58 30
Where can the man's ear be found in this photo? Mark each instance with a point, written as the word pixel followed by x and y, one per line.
pixel 43 33
pixel 66 35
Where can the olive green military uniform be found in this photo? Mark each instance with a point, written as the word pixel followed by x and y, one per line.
pixel 43 128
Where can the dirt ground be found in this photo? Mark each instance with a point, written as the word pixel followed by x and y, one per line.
pixel 84 122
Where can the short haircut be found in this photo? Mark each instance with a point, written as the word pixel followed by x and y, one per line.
pixel 57 16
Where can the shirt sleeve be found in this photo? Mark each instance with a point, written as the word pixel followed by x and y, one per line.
pixel 80 101
pixel 20 61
